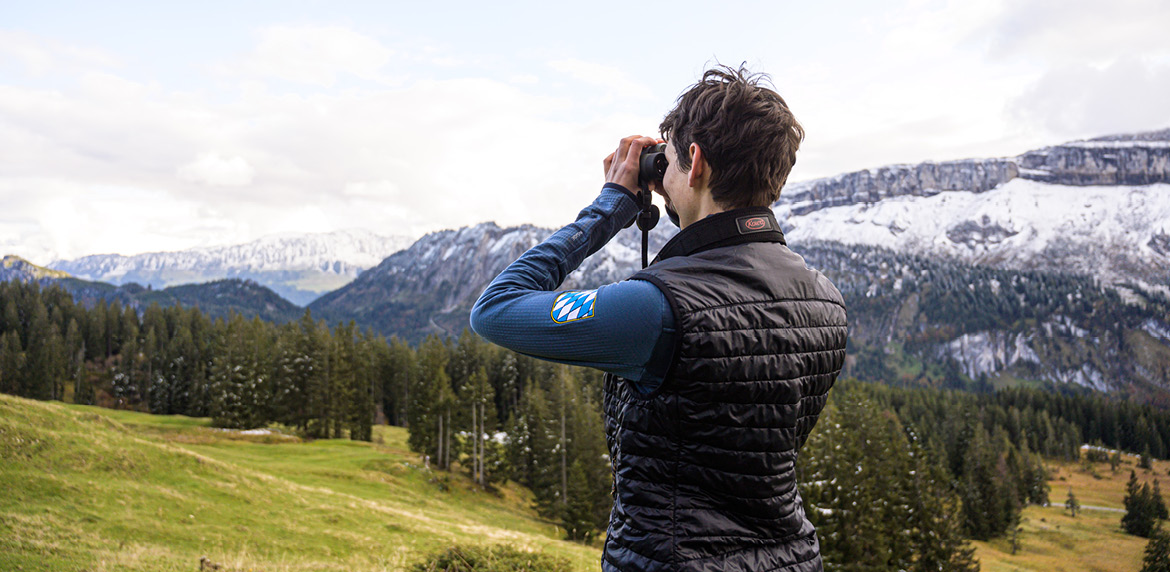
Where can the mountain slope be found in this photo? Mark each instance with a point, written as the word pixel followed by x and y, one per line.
pixel 299 267
pixel 1100 207
pixel 1017 270
pixel 431 286
pixel 13 267
pixel 933 321
pixel 1117 233
pixel 217 299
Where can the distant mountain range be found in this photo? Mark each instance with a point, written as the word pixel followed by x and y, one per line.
pixel 299 268
pixel 217 298
pixel 1051 267
pixel 1047 268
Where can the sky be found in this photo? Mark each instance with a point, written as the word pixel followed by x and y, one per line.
pixel 129 127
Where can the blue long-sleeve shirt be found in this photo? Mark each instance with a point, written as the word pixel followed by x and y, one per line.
pixel 626 328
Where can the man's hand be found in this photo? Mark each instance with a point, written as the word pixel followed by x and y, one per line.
pixel 621 167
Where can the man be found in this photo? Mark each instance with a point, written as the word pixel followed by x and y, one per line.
pixel 719 355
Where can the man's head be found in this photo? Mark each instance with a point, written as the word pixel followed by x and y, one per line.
pixel 745 131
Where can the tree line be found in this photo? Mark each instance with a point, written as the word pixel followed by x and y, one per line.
pixel 468 404
pixel 949 465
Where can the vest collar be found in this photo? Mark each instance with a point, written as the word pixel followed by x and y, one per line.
pixel 737 226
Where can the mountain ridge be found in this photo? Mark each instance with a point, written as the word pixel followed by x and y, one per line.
pixel 999 218
pixel 299 267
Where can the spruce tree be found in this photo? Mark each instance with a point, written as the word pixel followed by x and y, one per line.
pixel 1140 510
pixel 343 377
pixel 429 411
pixel 877 499
pixel 1157 556
pixel 1072 504
pixel 12 360
pixel 74 346
pixel 1158 502
pixel 399 374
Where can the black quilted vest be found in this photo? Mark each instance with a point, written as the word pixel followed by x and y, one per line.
pixel 704 475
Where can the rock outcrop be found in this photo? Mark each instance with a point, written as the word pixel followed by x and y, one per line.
pixel 1132 159
pixel 873 185
pixel 1099 162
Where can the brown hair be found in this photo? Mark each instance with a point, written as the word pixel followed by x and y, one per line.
pixel 747 134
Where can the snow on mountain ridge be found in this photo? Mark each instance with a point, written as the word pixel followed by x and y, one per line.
pixel 298 267
pixel 1109 232
pixel 340 252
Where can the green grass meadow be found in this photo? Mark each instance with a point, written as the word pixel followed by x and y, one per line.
pixel 89 489
pixel 1052 540
pixel 84 488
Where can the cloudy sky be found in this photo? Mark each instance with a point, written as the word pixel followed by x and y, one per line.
pixel 142 126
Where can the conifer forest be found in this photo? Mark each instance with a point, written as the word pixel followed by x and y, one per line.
pixel 892 477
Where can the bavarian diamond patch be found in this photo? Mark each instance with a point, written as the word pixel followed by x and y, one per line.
pixel 572 306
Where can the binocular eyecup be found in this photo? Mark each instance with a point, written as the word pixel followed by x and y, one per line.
pixel 652 165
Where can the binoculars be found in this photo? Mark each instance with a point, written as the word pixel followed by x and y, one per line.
pixel 651 169
pixel 652 165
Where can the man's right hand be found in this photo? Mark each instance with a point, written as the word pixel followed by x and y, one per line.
pixel 622 166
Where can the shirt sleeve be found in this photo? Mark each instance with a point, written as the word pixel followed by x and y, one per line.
pixel 625 328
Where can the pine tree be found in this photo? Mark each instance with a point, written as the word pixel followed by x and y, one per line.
pixel 1140 510
pixel 343 377
pixel 532 444
pixel 45 355
pixel 12 360
pixel 478 397
pixel 361 407
pixel 180 368
pixel 1158 502
pixel 1157 557
pixel 399 373
pixel 878 501
pixel 1072 504
pixel 429 410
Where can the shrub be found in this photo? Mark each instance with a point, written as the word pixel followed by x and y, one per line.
pixel 498 558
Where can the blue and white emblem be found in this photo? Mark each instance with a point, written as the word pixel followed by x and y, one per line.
pixel 571 306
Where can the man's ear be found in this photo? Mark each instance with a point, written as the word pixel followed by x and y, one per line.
pixel 700 171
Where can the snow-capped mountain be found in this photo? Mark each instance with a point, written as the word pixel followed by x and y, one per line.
pixel 1099 207
pixel 1049 267
pixel 298 267
pixel 1116 233
pixel 431 286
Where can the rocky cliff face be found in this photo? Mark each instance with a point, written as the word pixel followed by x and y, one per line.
pixel 1099 162
pixel 1134 159
pixel 873 185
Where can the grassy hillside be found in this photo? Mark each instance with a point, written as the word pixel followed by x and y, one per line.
pixel 1053 541
pixel 101 490
pixel 94 489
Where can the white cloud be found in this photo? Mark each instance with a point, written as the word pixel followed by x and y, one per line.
pixel 315 55
pixel 41 56
pixel 1079 31
pixel 216 169
pixel 381 189
pixel 1079 100
pixel 410 147
pixel 616 83
pixel 229 167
